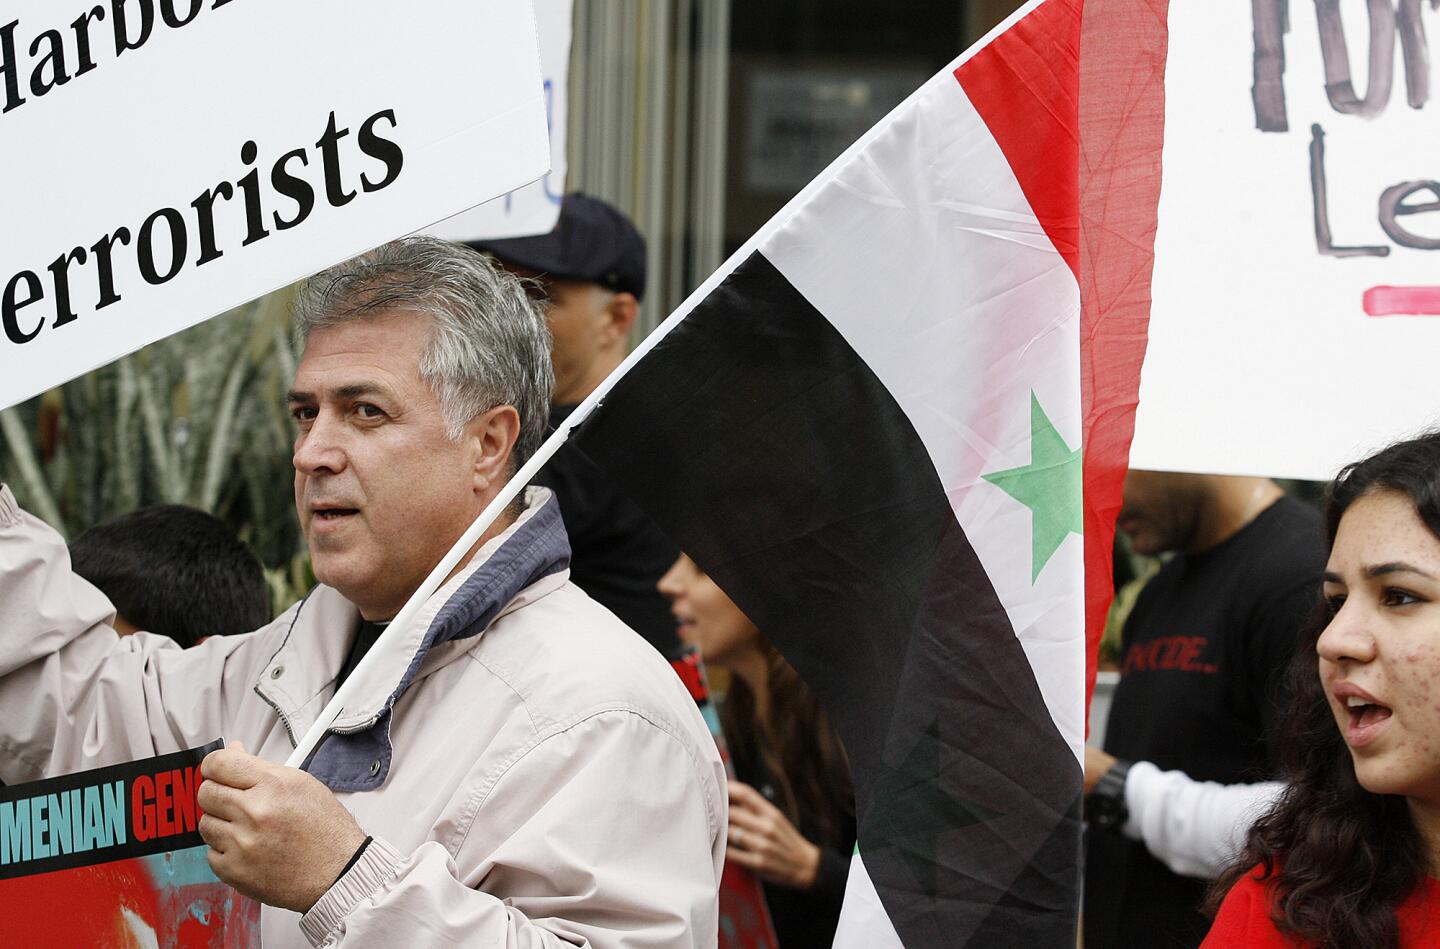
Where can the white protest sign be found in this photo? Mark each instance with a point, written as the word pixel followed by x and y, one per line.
pixel 166 160
pixel 1275 347
pixel 535 208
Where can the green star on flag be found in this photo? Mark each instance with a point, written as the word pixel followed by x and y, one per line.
pixel 1049 486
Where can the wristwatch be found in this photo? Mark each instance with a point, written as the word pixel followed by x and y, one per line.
pixel 1105 806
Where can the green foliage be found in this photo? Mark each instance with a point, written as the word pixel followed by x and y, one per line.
pixel 198 418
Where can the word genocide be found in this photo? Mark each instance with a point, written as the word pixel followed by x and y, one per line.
pixel 124 811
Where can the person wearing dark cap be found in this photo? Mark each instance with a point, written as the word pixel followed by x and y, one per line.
pixel 591 271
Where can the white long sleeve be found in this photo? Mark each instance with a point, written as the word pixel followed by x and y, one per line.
pixel 1194 827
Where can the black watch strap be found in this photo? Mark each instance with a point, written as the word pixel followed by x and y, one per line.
pixel 364 845
pixel 1105 807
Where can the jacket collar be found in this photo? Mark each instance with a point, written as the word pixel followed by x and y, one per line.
pixel 513 569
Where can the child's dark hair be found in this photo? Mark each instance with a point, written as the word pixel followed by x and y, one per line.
pixel 176 571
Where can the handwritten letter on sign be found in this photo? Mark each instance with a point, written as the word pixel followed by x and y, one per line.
pixel 1297 262
pixel 166 160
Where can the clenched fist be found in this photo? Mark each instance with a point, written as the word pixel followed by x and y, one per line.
pixel 275 833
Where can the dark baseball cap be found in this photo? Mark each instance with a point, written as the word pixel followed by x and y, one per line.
pixel 592 242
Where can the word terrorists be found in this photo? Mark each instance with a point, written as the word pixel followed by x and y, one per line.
pixel 160 246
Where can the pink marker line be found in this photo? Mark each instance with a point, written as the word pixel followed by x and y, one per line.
pixel 1402 301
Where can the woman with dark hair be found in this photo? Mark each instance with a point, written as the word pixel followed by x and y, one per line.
pixel 792 813
pixel 1349 857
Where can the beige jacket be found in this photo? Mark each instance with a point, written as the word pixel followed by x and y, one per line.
pixel 540 779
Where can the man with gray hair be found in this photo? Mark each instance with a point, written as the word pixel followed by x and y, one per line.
pixel 528 773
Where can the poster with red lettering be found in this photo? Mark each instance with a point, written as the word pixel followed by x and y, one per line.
pixel 112 857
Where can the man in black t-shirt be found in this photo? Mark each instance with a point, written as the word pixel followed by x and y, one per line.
pixel 1202 662
pixel 591 273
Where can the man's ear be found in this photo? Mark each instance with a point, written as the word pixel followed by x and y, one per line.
pixel 621 313
pixel 494 434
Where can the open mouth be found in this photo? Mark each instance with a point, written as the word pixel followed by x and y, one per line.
pixel 1364 714
pixel 1368 720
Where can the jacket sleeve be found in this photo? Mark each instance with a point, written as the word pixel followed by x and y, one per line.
pixel 73 694
pixel 1193 827
pixel 604 834
pixel 832 876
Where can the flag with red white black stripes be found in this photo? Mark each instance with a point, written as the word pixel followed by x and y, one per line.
pixel 872 427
